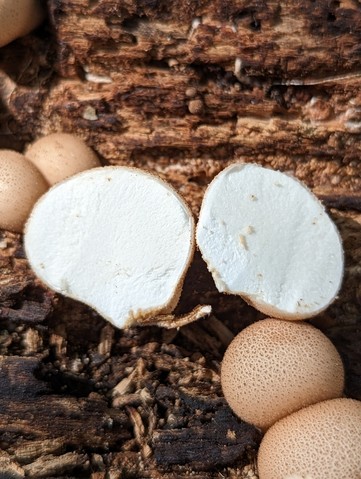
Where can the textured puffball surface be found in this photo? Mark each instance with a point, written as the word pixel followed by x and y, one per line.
pixel 266 237
pixel 21 184
pixel 18 18
pixel 322 441
pixel 61 155
pixel 275 367
pixel 116 238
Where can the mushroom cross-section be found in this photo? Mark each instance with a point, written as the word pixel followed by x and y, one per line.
pixel 116 238
pixel 267 238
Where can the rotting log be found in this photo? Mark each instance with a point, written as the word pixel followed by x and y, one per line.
pixel 181 88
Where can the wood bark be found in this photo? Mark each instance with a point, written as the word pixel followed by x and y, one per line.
pixel 181 88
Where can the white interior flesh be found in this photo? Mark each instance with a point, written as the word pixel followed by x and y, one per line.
pixel 266 237
pixel 117 239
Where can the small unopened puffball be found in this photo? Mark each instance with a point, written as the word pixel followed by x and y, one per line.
pixel 21 184
pixel 322 441
pixel 61 155
pixel 18 18
pixel 275 367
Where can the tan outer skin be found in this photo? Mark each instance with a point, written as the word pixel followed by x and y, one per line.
pixel 322 441
pixel 21 185
pixel 18 18
pixel 275 367
pixel 61 155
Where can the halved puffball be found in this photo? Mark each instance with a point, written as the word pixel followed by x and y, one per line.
pixel 266 237
pixel 18 18
pixel 275 367
pixel 61 155
pixel 116 238
pixel 321 441
pixel 21 184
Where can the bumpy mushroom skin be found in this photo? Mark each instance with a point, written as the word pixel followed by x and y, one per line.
pixel 320 441
pixel 275 367
pixel 118 239
pixel 21 184
pixel 266 237
pixel 18 18
pixel 61 155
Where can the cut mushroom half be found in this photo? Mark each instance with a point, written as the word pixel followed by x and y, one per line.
pixel 116 238
pixel 267 238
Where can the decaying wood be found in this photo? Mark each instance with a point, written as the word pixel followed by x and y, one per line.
pixel 196 445
pixel 181 88
pixel 144 103
pixel 288 41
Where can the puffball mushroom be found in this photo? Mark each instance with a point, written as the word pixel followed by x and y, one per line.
pixel 61 155
pixel 266 237
pixel 118 239
pixel 275 367
pixel 18 18
pixel 21 184
pixel 318 442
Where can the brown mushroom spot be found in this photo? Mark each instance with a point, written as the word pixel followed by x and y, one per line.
pixel 21 184
pixel 275 367
pixel 318 442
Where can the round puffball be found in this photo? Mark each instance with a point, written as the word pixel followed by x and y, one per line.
pixel 18 18
pixel 318 442
pixel 275 367
pixel 61 155
pixel 21 184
